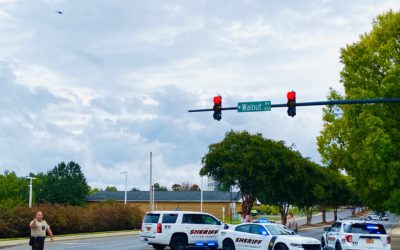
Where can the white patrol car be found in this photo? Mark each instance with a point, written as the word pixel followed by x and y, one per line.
pixel 179 229
pixel 355 234
pixel 265 236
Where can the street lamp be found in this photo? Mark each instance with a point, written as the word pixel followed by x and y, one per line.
pixel 126 184
pixel 30 189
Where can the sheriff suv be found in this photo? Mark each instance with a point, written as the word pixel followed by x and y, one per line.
pixel 355 234
pixel 179 229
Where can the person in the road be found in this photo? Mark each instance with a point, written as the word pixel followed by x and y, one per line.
pixel 291 222
pixel 39 227
pixel 246 219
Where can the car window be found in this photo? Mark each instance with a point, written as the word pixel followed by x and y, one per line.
pixel 243 228
pixel 279 230
pixel 365 228
pixel 192 219
pixel 336 227
pixel 169 218
pixel 151 218
pixel 207 219
pixel 258 229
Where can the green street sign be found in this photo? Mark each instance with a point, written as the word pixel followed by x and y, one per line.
pixel 254 106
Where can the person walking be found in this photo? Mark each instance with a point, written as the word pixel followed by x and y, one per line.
pixel 39 227
pixel 291 222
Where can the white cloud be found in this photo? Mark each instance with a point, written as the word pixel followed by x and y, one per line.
pixel 107 82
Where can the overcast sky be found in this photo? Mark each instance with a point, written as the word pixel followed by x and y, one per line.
pixel 106 82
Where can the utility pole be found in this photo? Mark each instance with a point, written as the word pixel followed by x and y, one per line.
pixel 201 195
pixel 126 185
pixel 151 183
pixel 30 189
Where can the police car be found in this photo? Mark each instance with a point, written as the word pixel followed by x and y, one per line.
pixel 179 229
pixel 355 234
pixel 265 236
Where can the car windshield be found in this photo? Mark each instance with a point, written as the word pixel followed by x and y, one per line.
pixel 365 228
pixel 279 230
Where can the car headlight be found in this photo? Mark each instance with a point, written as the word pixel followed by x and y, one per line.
pixel 296 245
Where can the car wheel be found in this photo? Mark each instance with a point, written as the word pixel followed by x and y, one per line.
pixel 158 247
pixel 338 246
pixel 228 245
pixel 281 246
pixel 323 244
pixel 178 242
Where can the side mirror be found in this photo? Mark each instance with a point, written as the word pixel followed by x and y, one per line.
pixel 327 229
pixel 219 223
pixel 226 226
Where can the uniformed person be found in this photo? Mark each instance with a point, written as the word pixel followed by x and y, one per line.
pixel 291 222
pixel 39 228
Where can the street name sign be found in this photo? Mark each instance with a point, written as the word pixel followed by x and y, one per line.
pixel 254 106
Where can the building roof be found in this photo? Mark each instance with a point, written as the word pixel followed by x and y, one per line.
pixel 166 196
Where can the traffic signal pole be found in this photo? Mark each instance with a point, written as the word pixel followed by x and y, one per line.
pixel 319 103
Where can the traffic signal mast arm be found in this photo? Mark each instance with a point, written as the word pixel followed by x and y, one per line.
pixel 319 103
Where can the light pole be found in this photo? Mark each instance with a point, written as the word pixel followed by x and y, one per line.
pixel 30 189
pixel 126 184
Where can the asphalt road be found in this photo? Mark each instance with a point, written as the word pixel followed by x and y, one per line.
pixel 133 242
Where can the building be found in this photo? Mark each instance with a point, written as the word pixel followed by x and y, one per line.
pixel 214 202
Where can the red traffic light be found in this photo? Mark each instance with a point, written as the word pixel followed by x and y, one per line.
pixel 217 100
pixel 291 95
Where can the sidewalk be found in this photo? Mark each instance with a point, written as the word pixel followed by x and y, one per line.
pixel 17 242
pixel 394 233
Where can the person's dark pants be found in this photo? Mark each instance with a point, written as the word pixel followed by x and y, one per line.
pixel 38 243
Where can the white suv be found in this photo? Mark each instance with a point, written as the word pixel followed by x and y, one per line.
pixel 179 229
pixel 355 234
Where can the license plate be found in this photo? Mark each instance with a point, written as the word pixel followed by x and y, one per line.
pixel 370 241
pixel 148 228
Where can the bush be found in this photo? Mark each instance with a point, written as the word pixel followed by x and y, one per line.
pixel 269 210
pixel 100 217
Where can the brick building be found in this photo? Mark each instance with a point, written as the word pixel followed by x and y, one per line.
pixel 214 202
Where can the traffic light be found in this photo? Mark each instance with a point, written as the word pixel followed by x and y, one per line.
pixel 217 107
pixel 291 103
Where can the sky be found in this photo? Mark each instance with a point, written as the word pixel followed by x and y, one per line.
pixel 107 82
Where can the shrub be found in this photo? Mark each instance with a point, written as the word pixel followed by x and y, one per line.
pixel 71 219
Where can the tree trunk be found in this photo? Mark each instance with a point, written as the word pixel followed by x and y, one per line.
pixel 283 210
pixel 353 211
pixel 335 214
pixel 323 214
pixel 248 202
pixel 309 215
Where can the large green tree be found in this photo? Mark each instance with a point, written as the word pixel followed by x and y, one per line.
pixel 365 139
pixel 258 167
pixel 65 184
pixel 13 190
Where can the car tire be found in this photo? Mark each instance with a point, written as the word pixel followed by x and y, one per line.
pixel 228 245
pixel 323 244
pixel 178 242
pixel 158 247
pixel 338 246
pixel 281 246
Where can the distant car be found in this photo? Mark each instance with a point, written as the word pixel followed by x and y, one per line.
pixel 265 236
pixel 355 234
pixel 374 216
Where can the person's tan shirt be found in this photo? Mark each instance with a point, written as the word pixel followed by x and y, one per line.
pixel 40 230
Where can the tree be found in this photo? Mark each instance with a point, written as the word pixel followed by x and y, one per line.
pixel 135 189
pixel 93 190
pixel 249 162
pixel 13 190
pixel 65 184
pixel 194 187
pixel 158 187
pixel 111 189
pixel 365 139
pixel 176 187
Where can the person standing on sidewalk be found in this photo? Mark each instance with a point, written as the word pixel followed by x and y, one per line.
pixel 291 222
pixel 39 227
